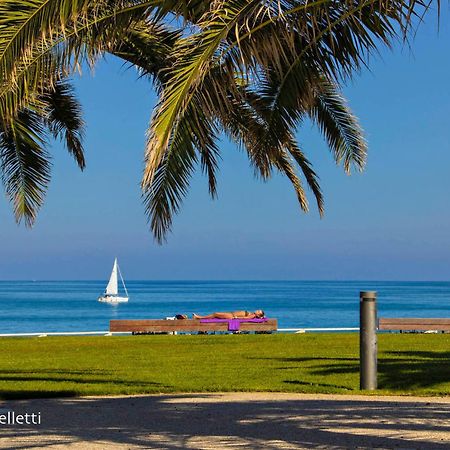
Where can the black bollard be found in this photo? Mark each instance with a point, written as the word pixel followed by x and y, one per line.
pixel 368 340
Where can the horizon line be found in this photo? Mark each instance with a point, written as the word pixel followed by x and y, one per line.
pixel 243 280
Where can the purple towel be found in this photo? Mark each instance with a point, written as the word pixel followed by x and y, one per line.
pixel 233 324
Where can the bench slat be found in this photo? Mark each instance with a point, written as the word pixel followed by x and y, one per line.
pixel 412 324
pixel 185 325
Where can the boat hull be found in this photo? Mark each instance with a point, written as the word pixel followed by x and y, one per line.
pixel 112 299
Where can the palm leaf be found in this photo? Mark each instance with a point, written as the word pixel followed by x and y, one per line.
pixel 269 34
pixel 339 126
pixel 24 165
pixel 45 39
pixel 247 124
pixel 64 119
pixel 146 46
pixel 195 137
pixel 309 174
pixel 239 114
pixel 162 198
pixel 194 55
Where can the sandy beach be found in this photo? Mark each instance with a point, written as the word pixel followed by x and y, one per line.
pixel 231 421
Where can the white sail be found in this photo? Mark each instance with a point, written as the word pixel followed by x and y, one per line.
pixel 112 288
pixel 111 294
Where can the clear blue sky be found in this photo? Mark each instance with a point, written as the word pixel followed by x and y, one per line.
pixel 390 223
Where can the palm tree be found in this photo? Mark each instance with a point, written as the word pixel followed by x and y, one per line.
pixel 253 70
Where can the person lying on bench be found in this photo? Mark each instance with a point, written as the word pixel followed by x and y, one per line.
pixel 258 314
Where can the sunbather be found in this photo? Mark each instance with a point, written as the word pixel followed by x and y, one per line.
pixel 258 314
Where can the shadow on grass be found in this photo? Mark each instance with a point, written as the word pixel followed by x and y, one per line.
pixel 414 369
pixel 397 370
pixel 60 378
pixel 322 385
pixel 20 395
pixel 197 421
pixel 79 380
pixel 63 371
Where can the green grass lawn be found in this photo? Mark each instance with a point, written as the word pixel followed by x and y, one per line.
pixel 327 363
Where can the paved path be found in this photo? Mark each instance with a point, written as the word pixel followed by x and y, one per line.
pixel 231 421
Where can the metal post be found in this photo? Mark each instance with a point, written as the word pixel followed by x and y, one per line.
pixel 368 340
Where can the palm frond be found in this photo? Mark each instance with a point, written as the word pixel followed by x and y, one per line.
pixel 270 146
pixel 308 172
pixel 284 163
pixel 24 164
pixel 146 46
pixel 333 36
pixel 194 138
pixel 339 126
pixel 45 39
pixel 241 115
pixel 266 40
pixel 194 56
pixel 64 119
pixel 163 197
pixel 305 92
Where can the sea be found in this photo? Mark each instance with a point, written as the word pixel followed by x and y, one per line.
pixel 72 306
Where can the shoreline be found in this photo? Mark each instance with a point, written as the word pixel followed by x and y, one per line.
pixel 299 330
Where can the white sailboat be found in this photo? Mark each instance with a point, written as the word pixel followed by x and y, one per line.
pixel 111 294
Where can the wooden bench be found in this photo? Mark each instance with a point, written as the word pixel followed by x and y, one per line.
pixel 413 324
pixel 185 325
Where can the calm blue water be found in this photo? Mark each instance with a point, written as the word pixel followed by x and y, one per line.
pixel 72 305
